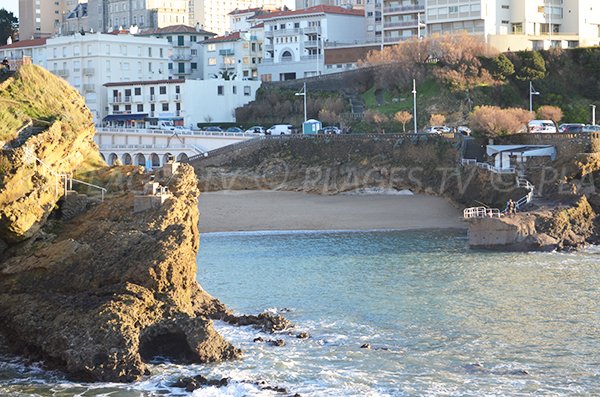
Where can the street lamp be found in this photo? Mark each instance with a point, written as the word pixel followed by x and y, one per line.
pixel 420 25
pixel 414 92
pixel 532 92
pixel 303 93
pixel 593 114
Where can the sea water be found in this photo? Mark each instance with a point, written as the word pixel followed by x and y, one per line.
pixel 440 319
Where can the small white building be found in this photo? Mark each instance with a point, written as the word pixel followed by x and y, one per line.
pixel 186 59
pixel 295 40
pixel 145 104
pixel 15 52
pixel 89 61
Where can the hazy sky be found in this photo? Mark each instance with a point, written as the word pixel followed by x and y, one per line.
pixel 10 5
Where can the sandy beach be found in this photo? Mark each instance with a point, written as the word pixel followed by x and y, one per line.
pixel 227 211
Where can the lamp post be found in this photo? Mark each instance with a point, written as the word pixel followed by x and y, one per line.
pixel 593 114
pixel 532 92
pixel 414 92
pixel 303 93
pixel 419 25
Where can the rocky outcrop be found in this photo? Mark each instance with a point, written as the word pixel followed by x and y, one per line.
pixel 111 289
pixel 542 230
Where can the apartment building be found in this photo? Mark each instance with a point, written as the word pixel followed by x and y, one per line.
pixel 300 4
pixel 182 102
pixel 213 15
pixel 89 61
pixel 295 40
pixel 76 20
pixel 235 56
pixel 34 49
pixel 187 57
pixel 145 13
pixel 41 18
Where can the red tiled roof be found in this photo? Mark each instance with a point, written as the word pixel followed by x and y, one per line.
pixel 144 82
pixel 322 9
pixel 174 29
pixel 24 43
pixel 232 37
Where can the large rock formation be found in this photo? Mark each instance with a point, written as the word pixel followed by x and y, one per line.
pixel 100 292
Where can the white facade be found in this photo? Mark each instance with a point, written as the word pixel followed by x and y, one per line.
pixel 35 49
pixel 185 103
pixel 186 59
pixel 89 61
pixel 295 40
pixel 238 55
pixel 146 13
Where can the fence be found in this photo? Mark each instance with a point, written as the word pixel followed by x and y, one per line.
pixel 481 212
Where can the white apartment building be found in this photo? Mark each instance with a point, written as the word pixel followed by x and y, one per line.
pixel 34 49
pixel 236 56
pixel 89 61
pixel 518 25
pixel 300 4
pixel 186 59
pixel 213 15
pixel 295 40
pixel 185 103
pixel 243 20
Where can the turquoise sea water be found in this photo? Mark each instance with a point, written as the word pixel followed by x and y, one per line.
pixel 441 319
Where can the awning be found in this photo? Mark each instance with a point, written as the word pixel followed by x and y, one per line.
pixel 126 117
pixel 523 150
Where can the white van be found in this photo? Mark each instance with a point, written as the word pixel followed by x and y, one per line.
pixel 542 126
pixel 281 129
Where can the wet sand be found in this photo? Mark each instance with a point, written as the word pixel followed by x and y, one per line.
pixel 247 210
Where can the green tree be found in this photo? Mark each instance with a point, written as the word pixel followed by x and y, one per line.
pixel 8 25
pixel 502 67
pixel 533 66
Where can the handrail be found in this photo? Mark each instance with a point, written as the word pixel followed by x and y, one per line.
pixel 102 190
pixel 488 167
pixel 481 212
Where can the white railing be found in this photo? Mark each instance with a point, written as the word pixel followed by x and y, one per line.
pixel 117 130
pixel 481 212
pixel 489 167
pixel 69 182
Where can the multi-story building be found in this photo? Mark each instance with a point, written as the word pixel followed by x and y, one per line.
pixel 185 103
pixel 243 20
pixel 213 15
pixel 236 56
pixel 186 58
pixel 34 49
pixel 145 13
pixel 300 4
pixel 76 20
pixel 91 60
pixel 295 40
pixel 41 18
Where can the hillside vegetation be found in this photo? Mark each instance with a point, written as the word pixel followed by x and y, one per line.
pixel 454 75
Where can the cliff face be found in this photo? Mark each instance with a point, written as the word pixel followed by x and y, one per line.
pixel 92 288
pixel 60 135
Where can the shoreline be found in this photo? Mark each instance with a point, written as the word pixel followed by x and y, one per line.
pixel 265 211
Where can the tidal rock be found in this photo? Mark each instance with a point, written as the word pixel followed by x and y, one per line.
pixel 265 321
pixel 276 342
pixel 365 346
pixel 303 335
pixel 192 383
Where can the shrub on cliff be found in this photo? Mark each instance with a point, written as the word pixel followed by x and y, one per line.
pixel 532 66
pixel 493 121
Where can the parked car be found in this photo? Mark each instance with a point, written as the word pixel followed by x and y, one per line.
pixel 591 128
pixel 573 127
pixel 257 129
pixel 331 130
pixel 213 129
pixel 234 129
pixel 281 129
pixel 437 129
pixel 542 126
pixel 464 130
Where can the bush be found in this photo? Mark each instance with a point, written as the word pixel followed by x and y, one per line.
pixel 501 67
pixel 533 66
pixel 437 119
pixel 493 121
pixel 403 117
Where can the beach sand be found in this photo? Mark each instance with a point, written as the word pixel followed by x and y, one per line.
pixel 247 210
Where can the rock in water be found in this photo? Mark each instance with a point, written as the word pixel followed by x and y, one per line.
pixel 114 289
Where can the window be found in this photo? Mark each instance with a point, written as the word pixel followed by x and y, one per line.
pixel 181 67
pixel 150 52
pixel 517 28
pixel 194 66
pixel 128 92
pixel 212 61
pixel 162 90
pixel 297 25
pixel 128 108
pixel 506 7
pixel 453 9
pixel 177 89
pixel 248 90
pixel 234 90
pixel 165 107
pixel 161 53
pixel 180 40
pixel 220 90
pixel 115 108
pixel 211 47
pixel 137 91
pixel 193 39
pixel 170 66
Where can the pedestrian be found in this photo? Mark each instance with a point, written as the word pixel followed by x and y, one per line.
pixel 511 207
pixel 6 65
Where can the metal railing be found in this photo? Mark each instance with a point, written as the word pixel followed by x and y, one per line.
pixel 481 212
pixel 489 167
pixel 117 130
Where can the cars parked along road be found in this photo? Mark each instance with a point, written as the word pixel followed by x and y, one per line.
pixel 281 129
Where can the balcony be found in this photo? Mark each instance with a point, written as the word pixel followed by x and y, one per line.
pixel 268 47
pixel 311 43
pixel 181 57
pixel 267 60
pixel 88 71
pixel 313 57
pixel 286 32
pixel 117 99
pixel 287 59
pixel 177 97
pixel 268 33
pixel 312 30
pixel 89 88
pixel 226 52
pixel 153 97
pixel 127 99
pixel 62 72
pixel 404 9
pixel 226 66
pixel 400 24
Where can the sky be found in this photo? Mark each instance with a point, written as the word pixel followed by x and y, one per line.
pixel 11 5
